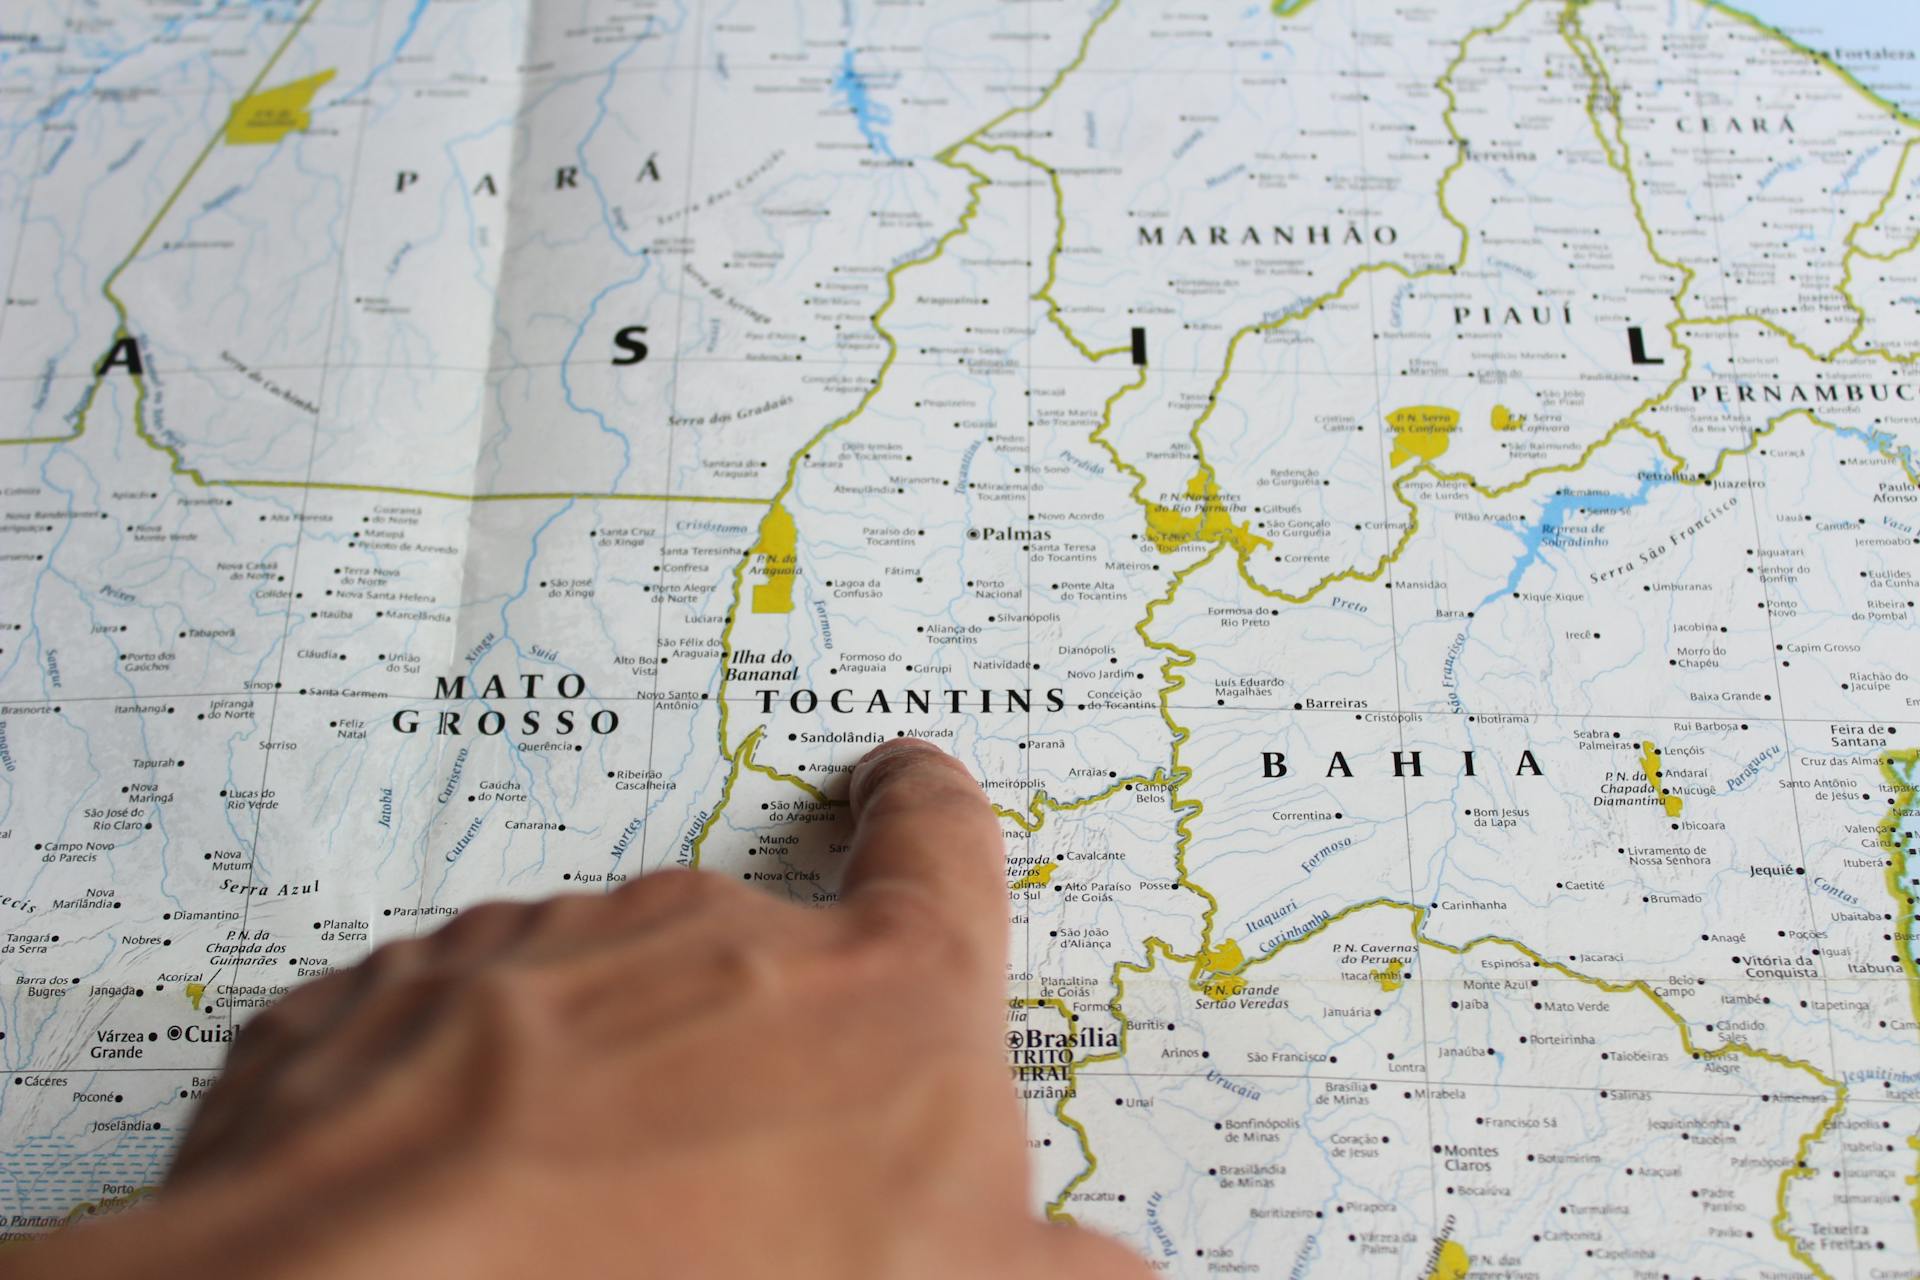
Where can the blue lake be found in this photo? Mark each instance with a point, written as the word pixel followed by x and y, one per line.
pixel 868 114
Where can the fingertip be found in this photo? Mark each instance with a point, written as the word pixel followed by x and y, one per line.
pixel 886 761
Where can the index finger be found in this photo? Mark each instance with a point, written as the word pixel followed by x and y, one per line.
pixel 923 825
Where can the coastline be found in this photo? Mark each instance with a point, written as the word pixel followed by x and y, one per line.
pixel 1877 44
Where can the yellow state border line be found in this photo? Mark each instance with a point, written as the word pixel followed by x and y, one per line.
pixel 1767 28
pixel 1172 680
pixel 1598 82
pixel 1903 808
pixel 1798 1168
pixel 557 495
pixel 1039 803
pixel 1056 1208
pixel 1592 61
pixel 978 183
pixel 177 463
pixel 1619 158
pixel 1594 64
pixel 121 332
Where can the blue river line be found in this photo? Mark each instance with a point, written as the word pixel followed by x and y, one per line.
pixel 1536 535
pixel 871 116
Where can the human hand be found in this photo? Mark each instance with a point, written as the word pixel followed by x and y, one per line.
pixel 682 1077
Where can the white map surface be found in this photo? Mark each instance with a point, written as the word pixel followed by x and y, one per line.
pixel 1409 509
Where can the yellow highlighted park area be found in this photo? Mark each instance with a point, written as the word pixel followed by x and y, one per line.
pixel 1451 1263
pixel 271 114
pixel 1650 769
pixel 1038 878
pixel 780 562
pixel 196 992
pixel 1421 431
pixel 1210 522
pixel 1223 985
pixel 1505 419
pixel 1391 978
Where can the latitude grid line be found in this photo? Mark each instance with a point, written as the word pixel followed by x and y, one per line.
pixel 1302 1076
pixel 421 919
pixel 656 668
pixel 26 215
pixel 26 201
pixel 1783 717
pixel 654 799
pixel 994 79
pixel 1703 156
pixel 1033 330
pixel 306 494
pixel 854 361
pixel 1437 1224
pixel 1434 714
pixel 1263 72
